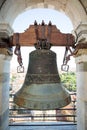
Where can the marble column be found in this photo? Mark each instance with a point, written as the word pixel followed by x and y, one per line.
pixel 4 89
pixel 81 73
pixel 5 57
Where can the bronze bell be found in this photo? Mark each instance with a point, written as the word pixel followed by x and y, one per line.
pixel 42 88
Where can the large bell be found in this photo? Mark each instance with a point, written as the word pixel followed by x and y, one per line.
pixel 42 88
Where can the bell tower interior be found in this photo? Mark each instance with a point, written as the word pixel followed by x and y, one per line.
pixel 76 10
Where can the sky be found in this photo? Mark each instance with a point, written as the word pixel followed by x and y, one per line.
pixel 24 20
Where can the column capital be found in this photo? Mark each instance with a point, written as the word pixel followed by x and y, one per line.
pixel 5 32
pixel 6 51
pixel 81 56
pixel 81 32
pixel 6 29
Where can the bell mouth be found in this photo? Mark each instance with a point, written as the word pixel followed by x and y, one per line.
pixel 43 97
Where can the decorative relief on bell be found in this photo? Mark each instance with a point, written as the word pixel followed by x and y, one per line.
pixel 31 78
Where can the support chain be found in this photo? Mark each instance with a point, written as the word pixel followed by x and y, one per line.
pixel 17 51
pixel 64 66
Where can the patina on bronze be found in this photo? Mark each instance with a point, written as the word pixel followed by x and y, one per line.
pixel 42 88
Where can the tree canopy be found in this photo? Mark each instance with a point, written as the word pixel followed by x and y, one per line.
pixel 69 80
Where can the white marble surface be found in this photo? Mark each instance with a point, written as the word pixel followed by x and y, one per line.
pixel 33 127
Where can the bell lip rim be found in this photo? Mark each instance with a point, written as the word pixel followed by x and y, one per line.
pixel 40 108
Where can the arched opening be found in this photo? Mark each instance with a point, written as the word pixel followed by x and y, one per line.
pixel 72 9
pixel 63 23
pixel 76 13
pixel 23 21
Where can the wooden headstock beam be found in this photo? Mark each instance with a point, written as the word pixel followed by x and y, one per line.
pixel 28 38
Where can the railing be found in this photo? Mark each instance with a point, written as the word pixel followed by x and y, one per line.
pixel 66 115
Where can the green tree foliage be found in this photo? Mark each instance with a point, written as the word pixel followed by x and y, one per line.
pixel 69 80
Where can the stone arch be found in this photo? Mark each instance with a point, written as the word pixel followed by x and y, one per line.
pixel 73 9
